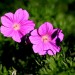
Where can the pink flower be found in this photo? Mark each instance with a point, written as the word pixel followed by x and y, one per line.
pixel 0 29
pixel 44 39
pixel 16 25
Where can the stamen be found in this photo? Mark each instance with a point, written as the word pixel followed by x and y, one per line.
pixel 16 26
pixel 45 38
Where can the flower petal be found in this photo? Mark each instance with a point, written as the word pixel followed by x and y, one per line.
pixel 6 31
pixel 50 52
pixel 10 16
pixel 16 36
pixel 51 48
pixel 26 27
pixel 54 36
pixel 45 28
pixel 0 29
pixel 54 40
pixel 35 39
pixel 18 16
pixel 27 23
pixel 54 33
pixel 46 46
pixel 57 33
pixel 61 36
pixel 21 15
pixel 34 32
pixel 54 48
pixel 26 15
pixel 7 19
pixel 39 49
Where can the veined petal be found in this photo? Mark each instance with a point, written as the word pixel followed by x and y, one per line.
pixel 25 30
pixel 10 16
pixel 54 33
pixel 21 15
pixel 45 28
pixel 0 29
pixel 39 49
pixel 18 16
pixel 50 52
pixel 54 40
pixel 46 46
pixel 35 48
pixel 54 30
pixel 35 39
pixel 26 15
pixel 34 32
pixel 54 47
pixel 16 36
pixel 57 33
pixel 42 52
pixel 27 23
pixel 7 19
pixel 61 36
pixel 26 27
pixel 6 31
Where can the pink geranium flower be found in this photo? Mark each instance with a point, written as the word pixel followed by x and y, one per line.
pixel 44 39
pixel 16 25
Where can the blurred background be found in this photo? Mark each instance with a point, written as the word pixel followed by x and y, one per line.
pixel 20 58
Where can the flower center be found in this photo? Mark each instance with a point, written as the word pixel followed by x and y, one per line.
pixel 16 26
pixel 45 38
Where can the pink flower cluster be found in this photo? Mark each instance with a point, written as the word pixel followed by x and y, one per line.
pixel 44 39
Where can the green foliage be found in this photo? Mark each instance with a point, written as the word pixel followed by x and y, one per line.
pixel 4 71
pixel 61 14
pixel 58 65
